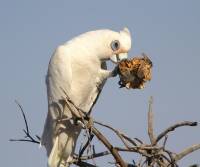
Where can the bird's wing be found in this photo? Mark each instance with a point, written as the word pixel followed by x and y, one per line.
pixel 58 80
pixel 59 77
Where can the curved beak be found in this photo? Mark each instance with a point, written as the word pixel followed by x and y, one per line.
pixel 118 57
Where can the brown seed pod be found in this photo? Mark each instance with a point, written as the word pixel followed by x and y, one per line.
pixel 135 73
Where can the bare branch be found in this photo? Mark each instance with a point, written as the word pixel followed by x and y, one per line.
pixel 24 116
pixel 187 151
pixel 153 154
pixel 133 150
pixel 122 136
pixel 150 122
pixel 25 140
pixel 86 145
pixel 165 141
pixel 87 157
pixel 112 150
pixel 194 165
pixel 173 127
pixel 138 140
pixel 173 162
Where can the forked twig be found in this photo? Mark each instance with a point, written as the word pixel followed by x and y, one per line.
pixel 26 131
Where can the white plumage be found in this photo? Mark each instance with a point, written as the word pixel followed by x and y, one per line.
pixel 79 68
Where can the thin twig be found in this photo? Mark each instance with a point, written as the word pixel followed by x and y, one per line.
pixel 114 152
pixel 173 162
pixel 142 152
pixel 81 115
pixel 24 116
pixel 119 134
pixel 154 154
pixel 165 141
pixel 138 140
pixel 87 157
pixel 26 130
pixel 86 145
pixel 25 140
pixel 166 158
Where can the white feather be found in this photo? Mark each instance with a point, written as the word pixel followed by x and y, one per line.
pixel 77 67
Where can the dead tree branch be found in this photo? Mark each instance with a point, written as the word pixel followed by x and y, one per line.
pixel 122 136
pixel 152 155
pixel 173 127
pixel 186 151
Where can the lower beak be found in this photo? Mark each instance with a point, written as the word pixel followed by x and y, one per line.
pixel 118 57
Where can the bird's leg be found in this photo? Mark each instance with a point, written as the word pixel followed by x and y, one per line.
pixel 104 74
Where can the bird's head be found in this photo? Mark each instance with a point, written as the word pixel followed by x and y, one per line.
pixel 116 45
pixel 105 44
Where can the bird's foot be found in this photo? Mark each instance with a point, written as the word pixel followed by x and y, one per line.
pixel 104 74
pixel 115 71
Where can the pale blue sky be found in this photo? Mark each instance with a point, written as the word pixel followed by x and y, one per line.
pixel 168 31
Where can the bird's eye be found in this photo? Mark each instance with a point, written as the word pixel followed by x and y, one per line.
pixel 115 45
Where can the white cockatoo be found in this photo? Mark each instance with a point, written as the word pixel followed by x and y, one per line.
pixel 78 68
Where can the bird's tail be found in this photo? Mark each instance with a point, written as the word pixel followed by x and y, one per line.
pixel 59 139
pixel 63 148
pixel 53 159
pixel 56 159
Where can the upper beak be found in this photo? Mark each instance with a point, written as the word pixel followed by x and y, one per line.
pixel 118 57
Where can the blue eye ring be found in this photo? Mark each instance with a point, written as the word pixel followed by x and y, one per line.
pixel 115 45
